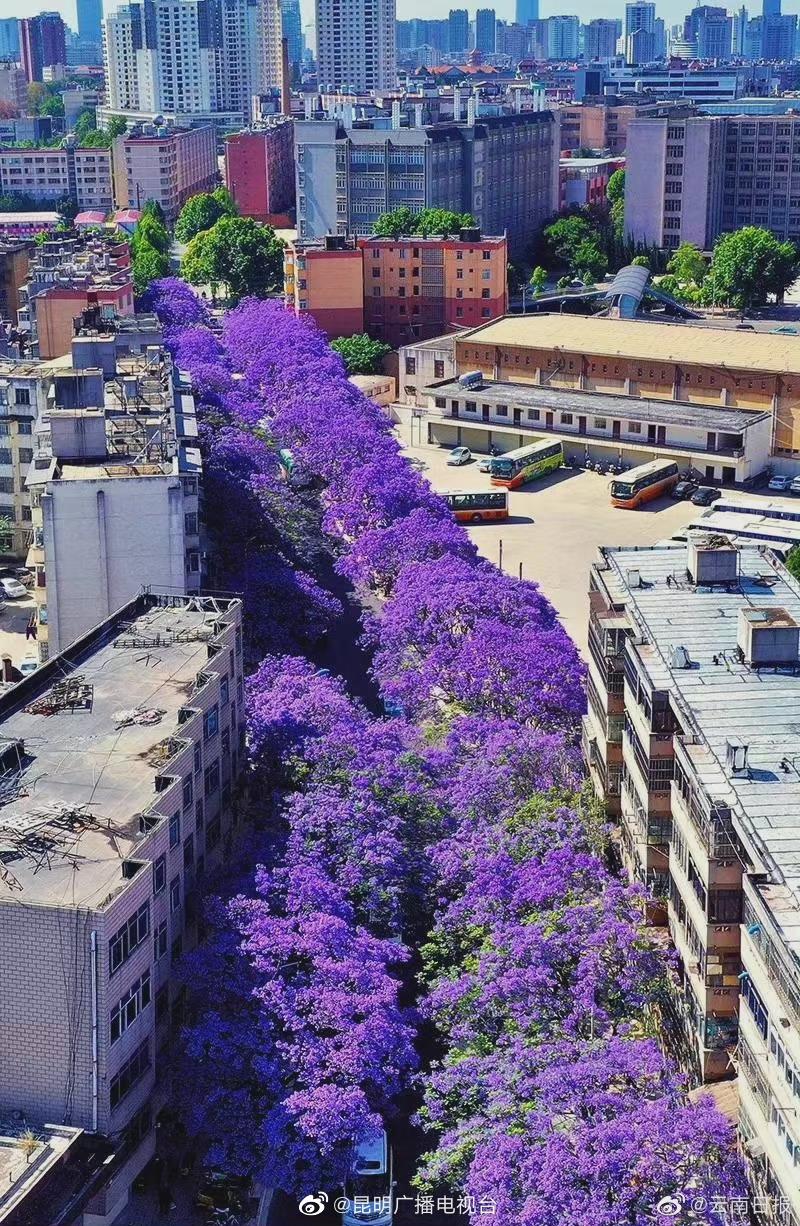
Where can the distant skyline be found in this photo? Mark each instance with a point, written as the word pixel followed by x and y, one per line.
pixel 671 10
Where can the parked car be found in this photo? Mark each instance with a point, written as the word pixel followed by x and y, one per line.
pixel 28 665
pixel 684 489
pixel 459 455
pixel 779 483
pixel 794 488
pixel 485 465
pixel 704 495
pixel 13 589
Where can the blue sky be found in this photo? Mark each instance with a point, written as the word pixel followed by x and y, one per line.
pixel 670 10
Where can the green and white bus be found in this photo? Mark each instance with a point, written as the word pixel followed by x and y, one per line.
pixel 526 463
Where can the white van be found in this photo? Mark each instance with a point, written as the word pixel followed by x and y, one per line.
pixel 369 1188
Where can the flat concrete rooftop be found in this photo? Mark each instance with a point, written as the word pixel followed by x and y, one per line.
pixel 631 408
pixel 70 801
pixel 724 698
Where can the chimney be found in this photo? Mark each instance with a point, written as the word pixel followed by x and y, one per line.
pixel 7 669
pixel 471 110
pixel 308 106
pixel 286 92
pixel 456 104
pixel 396 115
pixel 417 114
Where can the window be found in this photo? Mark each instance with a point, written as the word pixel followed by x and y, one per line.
pixel 159 874
pixel 755 1005
pixel 190 523
pixel 22 395
pixel 438 368
pixel 132 1071
pixel 211 780
pixel 224 691
pixel 485 293
pixel 566 419
pixel 128 1008
pixel 174 895
pixel 175 830
pixel 188 792
pixel 211 723
pixel 635 427
pixel 600 423
pixel 411 366
pixel 128 938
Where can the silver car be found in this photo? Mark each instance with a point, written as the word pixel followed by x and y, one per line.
pixel 459 455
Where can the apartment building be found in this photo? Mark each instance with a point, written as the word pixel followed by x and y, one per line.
pixel 165 164
pixel 600 125
pixel 694 649
pixel 398 289
pixel 356 45
pixel 103 875
pixel 68 274
pixel 689 180
pixel 191 61
pixel 503 169
pixel 42 42
pixel 49 175
pixel 687 364
pixel 14 265
pixel 115 492
pixel 259 171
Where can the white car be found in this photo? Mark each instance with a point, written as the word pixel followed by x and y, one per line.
pixel 779 482
pixel 28 665
pixel 459 455
pixel 369 1187
pixel 485 464
pixel 795 486
pixel 13 589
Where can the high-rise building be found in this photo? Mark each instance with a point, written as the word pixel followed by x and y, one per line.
pixel 259 170
pixel 485 22
pixel 563 37
pixel 600 38
pixel 709 31
pixel 292 23
pixel 42 43
pixel 182 58
pixel 640 33
pixel 527 11
pixel 771 8
pixel 458 31
pixel 90 20
pixel 513 40
pixel 739 35
pixel 356 44
pixel 9 38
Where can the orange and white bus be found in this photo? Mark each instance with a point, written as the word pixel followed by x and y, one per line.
pixel 473 508
pixel 642 484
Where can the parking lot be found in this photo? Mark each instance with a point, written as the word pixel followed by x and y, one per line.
pixel 555 527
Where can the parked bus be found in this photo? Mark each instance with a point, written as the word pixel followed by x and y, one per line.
pixel 644 483
pixel 526 463
pixel 472 508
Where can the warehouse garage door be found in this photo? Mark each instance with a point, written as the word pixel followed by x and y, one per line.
pixel 475 438
pixel 443 433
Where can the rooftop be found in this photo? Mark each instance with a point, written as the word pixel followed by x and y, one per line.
pixel 526 395
pixel 645 340
pixel 82 741
pixel 722 698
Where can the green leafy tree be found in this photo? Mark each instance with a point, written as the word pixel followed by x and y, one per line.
pixel 36 95
pixel 153 209
pixel 793 562
pixel 116 126
pixel 150 232
pixel 538 279
pixel 688 265
pixel 641 261
pixel 403 221
pixel 67 210
pixel 203 211
pixel 53 105
pixel 589 262
pixel 239 253
pixel 515 278
pixel 749 265
pixel 565 236
pixel 149 264
pixel 85 124
pixel 362 355
pixel 615 194
pixel 563 283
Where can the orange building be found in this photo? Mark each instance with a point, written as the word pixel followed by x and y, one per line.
pixel 401 289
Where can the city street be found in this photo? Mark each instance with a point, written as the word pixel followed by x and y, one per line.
pixel 556 525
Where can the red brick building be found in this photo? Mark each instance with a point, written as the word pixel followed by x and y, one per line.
pixel 259 171
pixel 398 290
